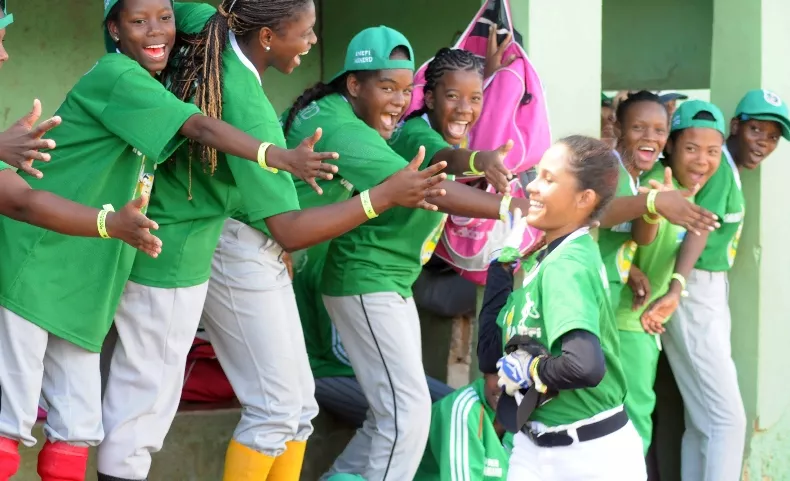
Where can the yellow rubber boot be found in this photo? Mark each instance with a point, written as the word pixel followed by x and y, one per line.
pixel 245 464
pixel 288 465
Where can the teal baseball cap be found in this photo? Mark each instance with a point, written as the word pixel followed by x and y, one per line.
pixel 683 118
pixel 761 104
pixel 109 44
pixel 371 48
pixel 8 18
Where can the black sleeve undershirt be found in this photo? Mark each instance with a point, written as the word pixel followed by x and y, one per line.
pixel 581 364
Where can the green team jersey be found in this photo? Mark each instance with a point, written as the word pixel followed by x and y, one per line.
pixel 568 290
pixel 462 443
pixel 616 245
pixel 365 161
pixel 119 123
pixel 190 229
pixel 656 261
pixel 723 196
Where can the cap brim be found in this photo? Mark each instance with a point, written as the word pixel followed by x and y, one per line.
pixel 674 96
pixel 7 20
pixel 783 121
pixel 507 413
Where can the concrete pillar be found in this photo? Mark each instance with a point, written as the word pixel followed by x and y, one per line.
pixel 563 40
pixel 750 45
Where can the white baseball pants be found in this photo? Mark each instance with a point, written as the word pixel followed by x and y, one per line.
pixel 381 335
pixel 253 324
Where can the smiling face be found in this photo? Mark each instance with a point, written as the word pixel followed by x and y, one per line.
pixel 292 40
pixel 455 104
pixel 694 155
pixel 756 140
pixel 643 134
pixel 381 97
pixel 555 200
pixel 145 31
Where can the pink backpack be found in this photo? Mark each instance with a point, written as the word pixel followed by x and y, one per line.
pixel 514 108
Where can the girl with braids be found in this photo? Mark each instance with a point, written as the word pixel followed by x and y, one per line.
pixel 454 99
pixel 693 153
pixel 251 317
pixel 563 326
pixel 121 123
pixel 368 273
pixel 643 126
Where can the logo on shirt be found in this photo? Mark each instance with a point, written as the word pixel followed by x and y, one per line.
pixel 431 241
pixel 309 111
pixel 772 98
pixel 625 256
pixel 733 218
pixel 492 469
pixel 624 227
pixel 732 248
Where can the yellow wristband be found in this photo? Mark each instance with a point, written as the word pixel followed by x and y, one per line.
pixel 650 220
pixel 262 157
pixel 651 202
pixel 472 170
pixel 365 198
pixel 504 207
pixel 101 220
pixel 533 373
pixel 682 281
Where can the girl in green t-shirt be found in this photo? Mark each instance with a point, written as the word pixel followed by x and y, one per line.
pixel 692 155
pixel 231 270
pixel 20 145
pixel 368 273
pixel 562 378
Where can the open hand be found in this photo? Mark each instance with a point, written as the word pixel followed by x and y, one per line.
pixel 659 312
pixel 306 164
pixel 20 145
pixel 410 186
pixel 132 227
pixel 492 164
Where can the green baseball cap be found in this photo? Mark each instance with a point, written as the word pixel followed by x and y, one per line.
pixel 109 45
pixel 683 118
pixel 606 101
pixel 760 104
pixel 371 48
pixel 8 18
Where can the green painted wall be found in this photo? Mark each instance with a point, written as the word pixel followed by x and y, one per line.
pixel 659 45
pixel 427 28
pixel 52 43
pixel 753 35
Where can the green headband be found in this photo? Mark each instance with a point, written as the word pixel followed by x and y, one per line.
pixel 7 19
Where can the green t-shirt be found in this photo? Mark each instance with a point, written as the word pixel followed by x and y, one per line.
pixel 356 260
pixel 462 443
pixel 568 290
pixel 119 123
pixel 656 261
pixel 616 245
pixel 190 229
pixel 723 196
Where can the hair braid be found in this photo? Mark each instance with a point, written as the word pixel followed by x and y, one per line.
pixel 196 70
pixel 447 60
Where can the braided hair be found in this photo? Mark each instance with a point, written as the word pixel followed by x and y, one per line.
pixel 196 71
pixel 336 86
pixel 447 60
